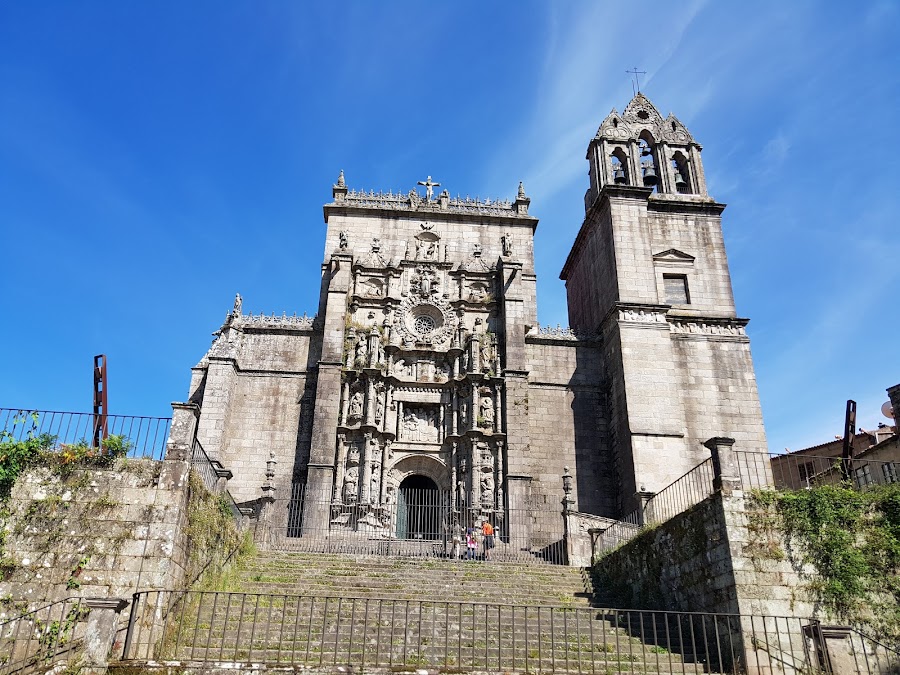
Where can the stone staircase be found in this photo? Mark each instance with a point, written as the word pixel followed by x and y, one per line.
pixel 430 579
pixel 400 614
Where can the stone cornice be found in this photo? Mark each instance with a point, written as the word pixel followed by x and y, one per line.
pixel 510 218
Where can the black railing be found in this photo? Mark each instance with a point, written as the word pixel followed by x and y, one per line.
pixel 203 466
pixel 146 435
pixel 797 471
pixel 677 497
pixel 418 523
pixel 42 636
pixel 236 628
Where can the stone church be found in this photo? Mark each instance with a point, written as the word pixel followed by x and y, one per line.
pixel 425 368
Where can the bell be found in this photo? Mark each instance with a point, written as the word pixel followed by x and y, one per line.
pixel 650 176
pixel 680 183
pixel 619 176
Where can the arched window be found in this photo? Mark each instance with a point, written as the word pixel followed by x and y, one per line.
pixel 681 168
pixel 619 162
pixel 649 173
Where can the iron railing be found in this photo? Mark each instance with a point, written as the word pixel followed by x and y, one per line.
pixel 204 466
pixel 146 435
pixel 418 523
pixel 677 497
pixel 218 627
pixel 796 471
pixel 44 635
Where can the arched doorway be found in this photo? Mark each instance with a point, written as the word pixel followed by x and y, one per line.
pixel 419 509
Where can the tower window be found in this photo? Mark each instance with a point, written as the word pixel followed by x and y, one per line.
pixel 676 289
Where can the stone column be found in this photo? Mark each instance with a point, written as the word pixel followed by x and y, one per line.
pixel 100 631
pixel 183 431
pixel 341 468
pixel 365 469
pixel 726 475
pixel 345 402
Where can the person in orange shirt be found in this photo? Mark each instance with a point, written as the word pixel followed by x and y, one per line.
pixel 488 531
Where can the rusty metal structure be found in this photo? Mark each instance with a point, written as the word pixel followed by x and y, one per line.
pixel 101 401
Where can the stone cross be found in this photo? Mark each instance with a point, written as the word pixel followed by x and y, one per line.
pixel 429 187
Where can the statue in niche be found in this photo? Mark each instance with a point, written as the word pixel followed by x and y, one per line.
pixel 356 405
pixel 463 466
pixel 487 352
pixel 487 489
pixel 477 293
pixel 431 251
pixel 487 411
pixel 401 367
pixel 390 496
pixel 379 405
pixel 360 350
pixel 353 454
pixel 350 492
pixel 342 238
pixel 374 485
pixel 506 242
pixel 464 415
pixel 411 426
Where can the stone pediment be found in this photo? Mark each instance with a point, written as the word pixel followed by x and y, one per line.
pixel 673 255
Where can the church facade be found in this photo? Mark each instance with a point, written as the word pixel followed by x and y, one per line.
pixel 425 366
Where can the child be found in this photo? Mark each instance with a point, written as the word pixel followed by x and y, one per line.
pixel 470 544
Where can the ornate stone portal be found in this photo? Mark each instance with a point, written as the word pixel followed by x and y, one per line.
pixel 419 388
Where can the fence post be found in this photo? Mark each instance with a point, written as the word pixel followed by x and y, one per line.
pixel 644 497
pixel 726 476
pixel 185 417
pixel 100 631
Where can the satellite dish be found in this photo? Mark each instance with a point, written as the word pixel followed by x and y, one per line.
pixel 887 410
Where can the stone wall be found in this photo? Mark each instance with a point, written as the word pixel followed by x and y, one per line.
pixel 567 424
pixel 91 532
pixel 706 559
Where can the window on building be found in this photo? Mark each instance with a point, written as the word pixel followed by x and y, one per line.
pixel 676 289
pixel 863 476
pixel 890 472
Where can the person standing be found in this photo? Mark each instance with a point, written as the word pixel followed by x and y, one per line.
pixel 488 531
pixel 471 545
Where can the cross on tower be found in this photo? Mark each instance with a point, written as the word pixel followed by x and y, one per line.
pixel 429 187
pixel 635 81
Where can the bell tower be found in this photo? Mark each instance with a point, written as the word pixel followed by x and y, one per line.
pixel 649 276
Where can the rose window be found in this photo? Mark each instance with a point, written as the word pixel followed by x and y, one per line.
pixel 424 324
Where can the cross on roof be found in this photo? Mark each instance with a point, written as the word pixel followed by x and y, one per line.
pixel 635 82
pixel 429 187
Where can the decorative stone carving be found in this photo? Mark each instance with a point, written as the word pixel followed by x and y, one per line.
pixel 642 316
pixel 420 425
pixel 431 321
pixel 342 240
pixel 355 410
pixel 487 489
pixel 379 404
pixel 350 490
pixel 486 410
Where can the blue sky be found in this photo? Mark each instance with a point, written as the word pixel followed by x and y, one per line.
pixel 157 157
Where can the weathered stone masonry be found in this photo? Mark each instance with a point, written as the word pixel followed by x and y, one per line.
pixel 425 360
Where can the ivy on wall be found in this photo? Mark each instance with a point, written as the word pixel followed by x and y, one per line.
pixel 851 540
